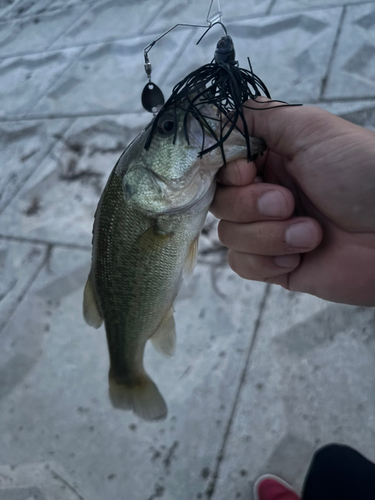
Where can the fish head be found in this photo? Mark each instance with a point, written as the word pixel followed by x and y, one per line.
pixel 170 175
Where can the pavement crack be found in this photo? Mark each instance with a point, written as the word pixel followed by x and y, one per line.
pixel 170 455
pixel 33 277
pixel 158 492
pixel 22 239
pixel 212 484
pixel 26 178
pixel 333 52
pixel 214 278
pixel 270 7
pixel 55 80
pixel 66 483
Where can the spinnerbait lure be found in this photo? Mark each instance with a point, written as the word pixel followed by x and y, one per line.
pixel 221 83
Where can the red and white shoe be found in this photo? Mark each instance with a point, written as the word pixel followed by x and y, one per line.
pixel 269 487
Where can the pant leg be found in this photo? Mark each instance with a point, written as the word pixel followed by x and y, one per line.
pixel 338 472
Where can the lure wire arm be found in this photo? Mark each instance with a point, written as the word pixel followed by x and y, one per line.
pixel 152 97
pixel 215 17
pixel 146 50
pixel 211 21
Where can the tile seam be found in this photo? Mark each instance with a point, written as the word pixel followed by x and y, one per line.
pixel 144 32
pixel 177 56
pixel 212 484
pixel 20 298
pixel 152 18
pixel 31 117
pixel 67 484
pixel 30 16
pixel 48 48
pixel 270 7
pixel 333 53
pixel 124 113
pixel 321 7
pixel 70 26
pixel 55 81
pixel 54 143
pixel 347 99
pixel 36 241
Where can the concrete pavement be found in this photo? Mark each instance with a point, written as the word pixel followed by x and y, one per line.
pixel 261 377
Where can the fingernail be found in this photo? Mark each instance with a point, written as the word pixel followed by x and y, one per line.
pixel 301 235
pixel 272 204
pixel 287 260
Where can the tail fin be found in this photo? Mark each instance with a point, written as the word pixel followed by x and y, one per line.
pixel 141 396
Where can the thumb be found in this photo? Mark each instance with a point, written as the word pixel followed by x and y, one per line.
pixel 286 129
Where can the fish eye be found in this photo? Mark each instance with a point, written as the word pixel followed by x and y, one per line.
pixel 166 125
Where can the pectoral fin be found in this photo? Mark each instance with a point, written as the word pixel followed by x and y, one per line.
pixel 152 241
pixel 90 308
pixel 164 338
pixel 191 258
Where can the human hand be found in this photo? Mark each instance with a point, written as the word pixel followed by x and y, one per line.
pixel 309 224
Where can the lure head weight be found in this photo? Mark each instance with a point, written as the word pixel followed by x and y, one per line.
pixel 225 50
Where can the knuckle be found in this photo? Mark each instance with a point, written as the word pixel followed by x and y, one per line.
pixel 238 173
pixel 261 234
pixel 215 208
pixel 232 260
pixel 242 264
pixel 244 208
pixel 222 231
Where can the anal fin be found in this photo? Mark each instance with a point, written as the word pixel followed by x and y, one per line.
pixel 164 337
pixel 90 308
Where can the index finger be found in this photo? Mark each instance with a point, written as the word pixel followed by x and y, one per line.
pixel 286 129
pixel 237 173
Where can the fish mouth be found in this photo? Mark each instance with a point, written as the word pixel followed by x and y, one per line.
pixel 147 190
pixel 202 127
pixel 208 129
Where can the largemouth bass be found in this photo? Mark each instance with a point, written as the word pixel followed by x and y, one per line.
pixel 145 239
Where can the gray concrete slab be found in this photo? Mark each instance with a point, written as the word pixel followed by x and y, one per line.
pixel 58 202
pixel 6 6
pixel 341 107
pixel 359 112
pixel 24 8
pixel 57 408
pixel 62 4
pixel 310 381
pixel 353 70
pixel 108 78
pixel 289 53
pixel 26 79
pixel 111 20
pixel 19 265
pixel 35 33
pixel 39 481
pixel 195 12
pixel 236 409
pixel 23 146
pixel 294 5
